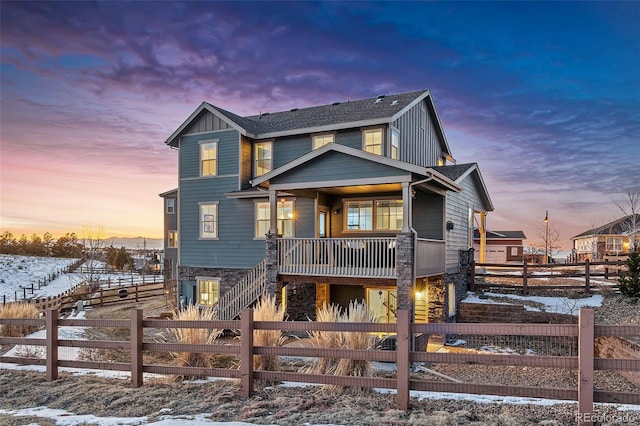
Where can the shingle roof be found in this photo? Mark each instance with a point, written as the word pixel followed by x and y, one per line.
pixel 453 171
pixel 501 235
pixel 323 115
pixel 617 227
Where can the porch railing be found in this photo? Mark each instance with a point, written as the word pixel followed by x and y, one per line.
pixel 244 293
pixel 429 257
pixel 344 257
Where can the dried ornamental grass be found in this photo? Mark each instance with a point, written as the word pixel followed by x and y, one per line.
pixel 18 310
pixel 195 336
pixel 266 310
pixel 325 339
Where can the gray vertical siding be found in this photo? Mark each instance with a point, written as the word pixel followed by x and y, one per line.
pixel 206 122
pixel 419 145
pixel 457 206
pixel 428 212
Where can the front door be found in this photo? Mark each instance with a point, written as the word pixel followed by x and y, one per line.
pixel 383 303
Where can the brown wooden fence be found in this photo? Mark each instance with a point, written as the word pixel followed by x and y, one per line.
pixel 524 272
pixel 585 362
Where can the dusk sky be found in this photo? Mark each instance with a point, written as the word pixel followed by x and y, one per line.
pixel 544 96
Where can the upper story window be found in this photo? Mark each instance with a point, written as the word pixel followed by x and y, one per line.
pixel 172 239
pixel 263 157
pixel 322 140
pixel 372 141
pixel 171 205
pixel 395 144
pixel 209 159
pixel 374 215
pixel 284 219
pixel 209 220
pixel 208 291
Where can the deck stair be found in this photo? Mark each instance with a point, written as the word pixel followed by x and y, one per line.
pixel 243 294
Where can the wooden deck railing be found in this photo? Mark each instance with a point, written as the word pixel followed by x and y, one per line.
pixel 585 363
pixel 345 257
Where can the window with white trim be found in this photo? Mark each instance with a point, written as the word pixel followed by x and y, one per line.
pixel 319 141
pixel 614 243
pixel 208 291
pixel 372 141
pixel 209 159
pixel 263 155
pixel 209 220
pixel 172 240
pixel 395 144
pixel 284 221
pixel 171 205
pixel 373 215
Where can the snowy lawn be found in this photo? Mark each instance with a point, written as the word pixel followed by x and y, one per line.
pixel 551 304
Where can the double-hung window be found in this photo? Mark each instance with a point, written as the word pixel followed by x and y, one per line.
pixel 395 144
pixel 372 141
pixel 209 220
pixel 322 140
pixel 208 291
pixel 208 158
pixel 284 220
pixel 263 155
pixel 172 239
pixel 171 205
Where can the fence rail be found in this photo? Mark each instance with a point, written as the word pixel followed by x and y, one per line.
pixel 585 362
pixel 525 271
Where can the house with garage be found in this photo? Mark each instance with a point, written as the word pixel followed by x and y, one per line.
pixel 352 200
pixel 500 247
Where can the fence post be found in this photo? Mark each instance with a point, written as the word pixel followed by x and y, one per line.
pixel 136 347
pixel 246 353
pixel 587 272
pixel 51 325
pixel 136 292
pixel 585 365
pixel 101 295
pixel 524 278
pixel 403 355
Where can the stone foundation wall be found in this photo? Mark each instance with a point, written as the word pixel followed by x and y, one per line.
pixel 301 301
pixel 493 312
pixel 617 347
pixel 228 278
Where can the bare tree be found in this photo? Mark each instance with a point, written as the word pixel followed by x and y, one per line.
pixel 93 241
pixel 629 205
pixel 549 237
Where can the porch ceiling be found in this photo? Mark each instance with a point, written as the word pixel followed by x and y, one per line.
pixel 362 189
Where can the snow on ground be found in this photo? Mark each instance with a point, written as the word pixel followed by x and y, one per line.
pixel 552 304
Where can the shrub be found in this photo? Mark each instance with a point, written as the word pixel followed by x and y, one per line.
pixel 18 310
pixel 195 336
pixel 266 310
pixel 630 282
pixel 325 339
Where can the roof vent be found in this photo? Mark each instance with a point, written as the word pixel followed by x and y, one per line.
pixel 335 103
pixel 394 103
pixel 293 109
pixel 377 101
pixel 382 96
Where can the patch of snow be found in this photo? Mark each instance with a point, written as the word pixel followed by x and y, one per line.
pixel 552 304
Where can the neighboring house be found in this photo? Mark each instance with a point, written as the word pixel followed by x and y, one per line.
pixel 614 238
pixel 326 204
pixel 501 247
pixel 170 207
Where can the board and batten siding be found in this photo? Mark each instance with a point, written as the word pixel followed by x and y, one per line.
pixel 206 122
pixel 336 166
pixel 420 143
pixel 428 215
pixel 457 210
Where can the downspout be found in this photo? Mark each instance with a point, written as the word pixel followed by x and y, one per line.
pixel 415 242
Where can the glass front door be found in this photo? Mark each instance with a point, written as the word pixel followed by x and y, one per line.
pixel 383 303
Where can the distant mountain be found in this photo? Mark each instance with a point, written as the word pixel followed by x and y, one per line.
pixel 137 243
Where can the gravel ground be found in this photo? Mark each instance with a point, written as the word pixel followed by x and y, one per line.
pixel 274 406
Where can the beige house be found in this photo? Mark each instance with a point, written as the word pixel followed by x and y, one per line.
pixel 614 238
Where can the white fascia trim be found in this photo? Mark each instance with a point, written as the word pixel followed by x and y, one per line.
pixel 476 169
pixel 327 128
pixel 445 181
pixel 341 183
pixel 345 150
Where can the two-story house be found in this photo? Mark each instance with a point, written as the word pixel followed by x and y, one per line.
pixel 170 205
pixel 614 238
pixel 353 200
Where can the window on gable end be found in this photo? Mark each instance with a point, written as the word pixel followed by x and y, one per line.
pixel 209 159
pixel 171 205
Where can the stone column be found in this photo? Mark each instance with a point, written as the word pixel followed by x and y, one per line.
pixel 272 263
pixel 404 269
